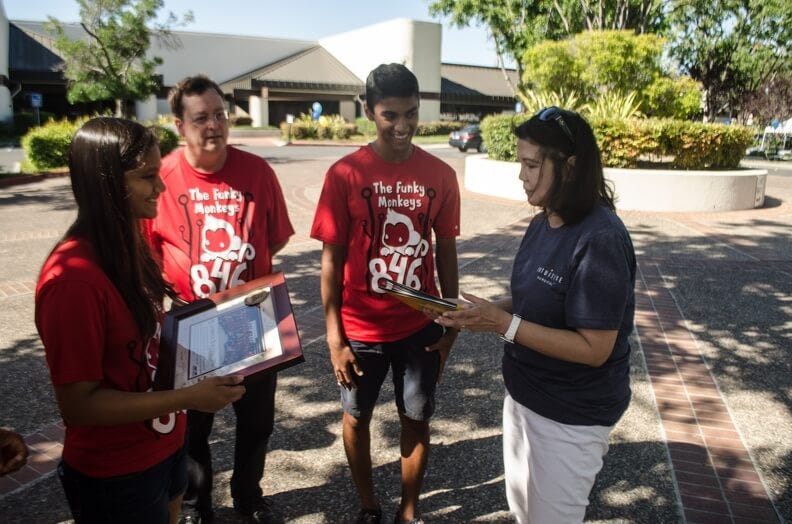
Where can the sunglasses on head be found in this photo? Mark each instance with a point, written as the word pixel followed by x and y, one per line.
pixel 554 114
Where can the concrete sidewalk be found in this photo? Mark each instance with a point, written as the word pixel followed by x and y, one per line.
pixel 708 436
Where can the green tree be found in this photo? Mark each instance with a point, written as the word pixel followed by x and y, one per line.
pixel 551 66
pixel 111 62
pixel 731 46
pixel 618 60
pixel 772 100
pixel 678 97
pixel 595 62
pixel 517 25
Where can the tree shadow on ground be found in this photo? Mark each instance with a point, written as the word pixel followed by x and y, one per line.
pixel 56 194
pixel 733 292
pixel 736 305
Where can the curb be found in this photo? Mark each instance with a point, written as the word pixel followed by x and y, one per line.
pixel 28 179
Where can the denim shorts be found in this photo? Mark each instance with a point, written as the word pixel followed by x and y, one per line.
pixel 414 374
pixel 138 497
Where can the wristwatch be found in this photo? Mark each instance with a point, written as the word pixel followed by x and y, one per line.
pixel 512 330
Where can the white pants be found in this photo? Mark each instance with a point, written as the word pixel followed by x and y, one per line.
pixel 550 467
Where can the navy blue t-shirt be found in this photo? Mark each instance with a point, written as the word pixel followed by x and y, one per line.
pixel 574 276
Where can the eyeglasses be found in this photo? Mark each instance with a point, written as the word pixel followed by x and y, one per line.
pixel 555 114
pixel 203 120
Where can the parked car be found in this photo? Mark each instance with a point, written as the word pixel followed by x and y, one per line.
pixel 466 138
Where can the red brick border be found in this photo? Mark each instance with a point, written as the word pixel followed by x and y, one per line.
pixel 715 476
pixel 44 447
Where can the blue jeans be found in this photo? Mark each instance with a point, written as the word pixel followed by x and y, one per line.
pixel 255 418
pixel 134 498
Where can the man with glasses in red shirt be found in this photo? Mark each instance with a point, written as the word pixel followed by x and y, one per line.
pixel 221 220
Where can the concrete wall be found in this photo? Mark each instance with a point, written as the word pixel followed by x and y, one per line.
pixel 638 189
pixel 346 108
pixel 410 42
pixel 672 190
pixel 146 109
pixel 258 108
pixel 6 108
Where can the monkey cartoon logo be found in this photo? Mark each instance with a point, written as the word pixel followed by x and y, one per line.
pixel 399 236
pixel 219 240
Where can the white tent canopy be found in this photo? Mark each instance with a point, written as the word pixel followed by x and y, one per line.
pixel 784 129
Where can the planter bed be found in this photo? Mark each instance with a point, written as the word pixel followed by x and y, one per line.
pixel 639 189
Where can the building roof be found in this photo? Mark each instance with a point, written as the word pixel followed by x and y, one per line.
pixel 469 81
pixel 217 55
pixel 31 48
pixel 270 62
pixel 313 68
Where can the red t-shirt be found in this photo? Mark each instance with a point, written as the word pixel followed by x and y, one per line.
pixel 385 214
pixel 90 335
pixel 214 230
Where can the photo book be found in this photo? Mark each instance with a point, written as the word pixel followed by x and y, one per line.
pixel 417 299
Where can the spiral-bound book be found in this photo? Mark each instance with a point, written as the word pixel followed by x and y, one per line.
pixel 417 299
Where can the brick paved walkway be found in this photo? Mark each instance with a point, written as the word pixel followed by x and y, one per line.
pixel 715 476
pixel 714 473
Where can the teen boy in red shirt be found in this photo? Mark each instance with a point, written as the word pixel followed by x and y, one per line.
pixel 378 209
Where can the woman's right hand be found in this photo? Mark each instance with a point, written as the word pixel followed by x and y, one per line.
pixel 214 393
pixel 477 314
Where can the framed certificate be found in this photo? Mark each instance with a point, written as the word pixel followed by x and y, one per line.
pixel 248 330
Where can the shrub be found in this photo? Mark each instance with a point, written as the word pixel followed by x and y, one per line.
pixel 614 104
pixel 497 131
pixel 623 142
pixel 673 98
pixel 690 145
pixel 438 127
pixel 324 132
pixel 47 147
pixel 328 126
pixel 595 62
pixel 344 131
pixel 302 130
pixel 533 101
pixel 167 138
pixel 696 145
pixel 235 120
pixel 365 126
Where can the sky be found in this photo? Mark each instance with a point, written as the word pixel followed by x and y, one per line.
pixel 297 19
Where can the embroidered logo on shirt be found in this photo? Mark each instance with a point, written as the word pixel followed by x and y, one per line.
pixel 548 276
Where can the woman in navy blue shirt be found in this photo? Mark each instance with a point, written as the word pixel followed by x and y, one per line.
pixel 566 323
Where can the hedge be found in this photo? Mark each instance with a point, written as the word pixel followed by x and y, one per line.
pixel 688 145
pixel 438 127
pixel 47 146
pixel 167 138
pixel 327 127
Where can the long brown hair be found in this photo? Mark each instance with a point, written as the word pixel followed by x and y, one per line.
pixel 101 153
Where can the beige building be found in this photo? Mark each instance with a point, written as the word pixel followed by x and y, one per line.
pixel 268 78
